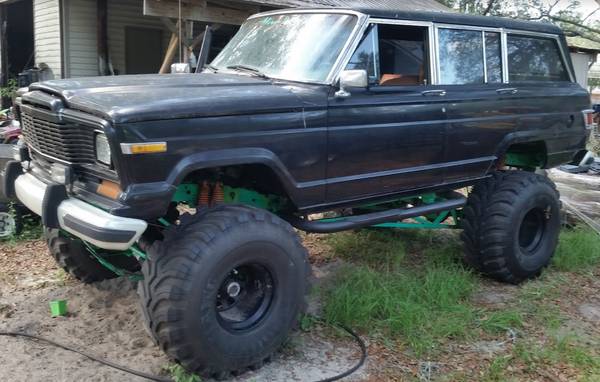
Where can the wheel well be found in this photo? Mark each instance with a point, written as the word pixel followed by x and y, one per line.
pixel 259 178
pixel 529 155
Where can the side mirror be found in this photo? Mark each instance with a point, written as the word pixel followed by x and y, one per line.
pixel 352 79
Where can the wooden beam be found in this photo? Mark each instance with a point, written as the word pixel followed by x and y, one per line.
pixel 170 54
pixel 195 11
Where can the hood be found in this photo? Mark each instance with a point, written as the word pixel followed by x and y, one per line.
pixel 134 98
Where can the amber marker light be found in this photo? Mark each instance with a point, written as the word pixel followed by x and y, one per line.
pixel 143 148
pixel 109 189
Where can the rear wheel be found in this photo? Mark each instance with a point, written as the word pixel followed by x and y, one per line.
pixel 72 256
pixel 223 289
pixel 511 225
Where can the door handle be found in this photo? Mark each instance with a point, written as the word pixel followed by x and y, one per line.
pixel 437 93
pixel 507 91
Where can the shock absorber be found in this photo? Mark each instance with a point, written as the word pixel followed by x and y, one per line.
pixel 204 196
pixel 218 195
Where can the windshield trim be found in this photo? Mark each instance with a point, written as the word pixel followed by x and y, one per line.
pixel 361 22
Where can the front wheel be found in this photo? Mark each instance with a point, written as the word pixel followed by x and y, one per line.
pixel 224 288
pixel 511 225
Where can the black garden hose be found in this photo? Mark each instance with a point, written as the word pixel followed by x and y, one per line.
pixel 359 341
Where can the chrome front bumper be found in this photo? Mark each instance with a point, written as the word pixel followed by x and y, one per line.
pixel 81 219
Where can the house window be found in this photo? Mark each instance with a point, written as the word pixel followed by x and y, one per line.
pixel 534 59
pixel 461 57
pixel 394 55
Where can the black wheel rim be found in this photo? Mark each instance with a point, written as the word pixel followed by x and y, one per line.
pixel 533 229
pixel 244 297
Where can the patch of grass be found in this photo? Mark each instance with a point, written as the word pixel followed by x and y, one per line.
pixel 535 300
pixel 501 321
pixel 424 308
pixel 496 371
pixel 578 249
pixel 557 351
pixel 378 249
pixel 179 374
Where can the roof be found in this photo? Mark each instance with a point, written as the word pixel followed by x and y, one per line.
pixel 419 5
pixel 418 10
pixel 463 19
pixel 583 44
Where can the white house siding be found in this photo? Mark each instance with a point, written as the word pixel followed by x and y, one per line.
pixel 128 13
pixel 81 46
pixel 581 64
pixel 46 15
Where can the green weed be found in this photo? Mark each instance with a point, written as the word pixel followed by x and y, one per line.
pixel 378 249
pixel 179 374
pixel 579 249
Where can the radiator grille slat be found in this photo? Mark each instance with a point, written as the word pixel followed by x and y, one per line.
pixel 70 143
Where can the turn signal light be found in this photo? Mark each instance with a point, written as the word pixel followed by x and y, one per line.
pixel 144 148
pixel 109 189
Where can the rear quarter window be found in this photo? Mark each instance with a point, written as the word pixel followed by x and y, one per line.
pixel 535 59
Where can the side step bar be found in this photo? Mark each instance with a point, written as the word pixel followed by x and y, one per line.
pixel 360 221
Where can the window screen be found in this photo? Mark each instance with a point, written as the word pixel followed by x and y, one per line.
pixel 461 57
pixel 535 59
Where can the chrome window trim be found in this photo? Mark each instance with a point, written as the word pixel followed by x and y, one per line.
pixel 483 48
pixel 504 48
pixel 348 48
pixel 383 21
pixel 482 30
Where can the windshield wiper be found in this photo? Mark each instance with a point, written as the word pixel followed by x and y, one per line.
pixel 213 68
pixel 248 69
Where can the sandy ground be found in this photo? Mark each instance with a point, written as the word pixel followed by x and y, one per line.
pixel 104 319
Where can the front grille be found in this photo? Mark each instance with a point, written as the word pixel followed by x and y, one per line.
pixel 66 142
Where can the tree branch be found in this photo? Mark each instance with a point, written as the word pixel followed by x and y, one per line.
pixel 488 9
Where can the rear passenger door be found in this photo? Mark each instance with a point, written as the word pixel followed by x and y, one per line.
pixel 388 138
pixel 480 106
pixel 543 91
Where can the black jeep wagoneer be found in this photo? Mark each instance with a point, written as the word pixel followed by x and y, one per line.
pixel 378 116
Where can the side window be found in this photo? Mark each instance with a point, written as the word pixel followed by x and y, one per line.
pixel 493 57
pixel 403 55
pixel 394 55
pixel 534 59
pixel 461 57
pixel 366 56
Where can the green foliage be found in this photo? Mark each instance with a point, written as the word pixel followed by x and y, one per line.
pixel 496 370
pixel 9 90
pixel 422 308
pixel 579 249
pixel 379 249
pixel 558 350
pixel 382 293
pixel 502 321
pixel 179 374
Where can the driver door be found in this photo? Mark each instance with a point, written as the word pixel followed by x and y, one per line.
pixel 390 137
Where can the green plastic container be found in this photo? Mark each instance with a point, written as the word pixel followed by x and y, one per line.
pixel 58 308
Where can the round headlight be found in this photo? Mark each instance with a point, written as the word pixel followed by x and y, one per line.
pixel 102 149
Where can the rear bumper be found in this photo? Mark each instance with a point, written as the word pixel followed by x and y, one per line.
pixel 77 217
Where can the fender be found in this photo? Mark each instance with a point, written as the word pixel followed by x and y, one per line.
pixel 154 198
pixel 567 143
pixel 230 157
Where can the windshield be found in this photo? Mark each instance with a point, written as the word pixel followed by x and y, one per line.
pixel 298 47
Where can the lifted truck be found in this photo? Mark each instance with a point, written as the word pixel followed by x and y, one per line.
pixel 382 115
